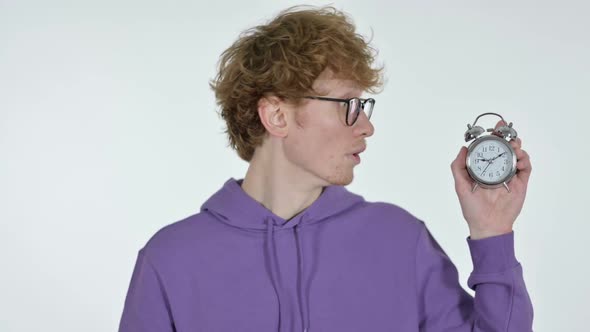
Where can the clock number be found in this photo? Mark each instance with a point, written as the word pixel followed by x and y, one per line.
pixel 492 148
pixel 485 149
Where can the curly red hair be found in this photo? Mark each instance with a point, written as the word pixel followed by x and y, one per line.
pixel 284 57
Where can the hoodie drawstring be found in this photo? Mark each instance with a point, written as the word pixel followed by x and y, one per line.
pixel 302 298
pixel 274 273
pixel 270 251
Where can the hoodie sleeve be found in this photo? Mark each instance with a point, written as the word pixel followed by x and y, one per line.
pixel 501 300
pixel 146 306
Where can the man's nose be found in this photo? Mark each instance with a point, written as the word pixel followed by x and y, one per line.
pixel 364 125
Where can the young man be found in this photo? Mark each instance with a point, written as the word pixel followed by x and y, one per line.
pixel 288 248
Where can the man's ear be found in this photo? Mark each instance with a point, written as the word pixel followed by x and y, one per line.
pixel 272 115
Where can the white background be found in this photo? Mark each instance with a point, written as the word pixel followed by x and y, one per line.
pixel 109 131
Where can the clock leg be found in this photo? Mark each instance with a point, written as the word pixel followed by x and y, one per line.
pixel 505 185
pixel 475 185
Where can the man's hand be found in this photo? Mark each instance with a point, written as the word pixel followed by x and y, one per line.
pixel 491 212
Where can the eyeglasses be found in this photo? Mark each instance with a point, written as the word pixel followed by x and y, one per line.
pixel 353 107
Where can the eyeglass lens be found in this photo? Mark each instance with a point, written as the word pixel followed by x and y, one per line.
pixel 354 107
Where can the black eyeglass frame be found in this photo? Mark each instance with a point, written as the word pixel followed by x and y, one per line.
pixel 361 103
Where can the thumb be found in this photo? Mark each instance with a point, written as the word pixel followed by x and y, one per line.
pixel 498 125
pixel 459 169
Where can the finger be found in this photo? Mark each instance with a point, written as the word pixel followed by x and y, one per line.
pixel 520 153
pixel 523 160
pixel 460 174
pixel 524 167
pixel 516 143
pixel 500 124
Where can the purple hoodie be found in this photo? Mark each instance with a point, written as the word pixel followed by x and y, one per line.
pixel 342 264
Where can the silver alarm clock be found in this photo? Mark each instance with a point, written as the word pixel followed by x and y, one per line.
pixel 491 161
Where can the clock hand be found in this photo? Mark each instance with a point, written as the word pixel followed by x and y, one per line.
pixel 496 157
pixel 489 163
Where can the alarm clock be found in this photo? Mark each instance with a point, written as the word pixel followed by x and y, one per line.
pixel 491 160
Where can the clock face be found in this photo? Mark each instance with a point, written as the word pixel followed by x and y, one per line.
pixel 490 160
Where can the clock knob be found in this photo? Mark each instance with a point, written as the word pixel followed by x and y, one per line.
pixel 507 131
pixel 473 132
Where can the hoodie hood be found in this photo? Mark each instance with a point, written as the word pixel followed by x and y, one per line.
pixel 233 206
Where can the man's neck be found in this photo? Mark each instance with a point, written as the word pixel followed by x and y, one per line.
pixel 286 196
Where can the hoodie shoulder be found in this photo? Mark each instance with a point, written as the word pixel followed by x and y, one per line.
pixel 392 215
pixel 180 237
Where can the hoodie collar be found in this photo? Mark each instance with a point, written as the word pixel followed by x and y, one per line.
pixel 235 207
